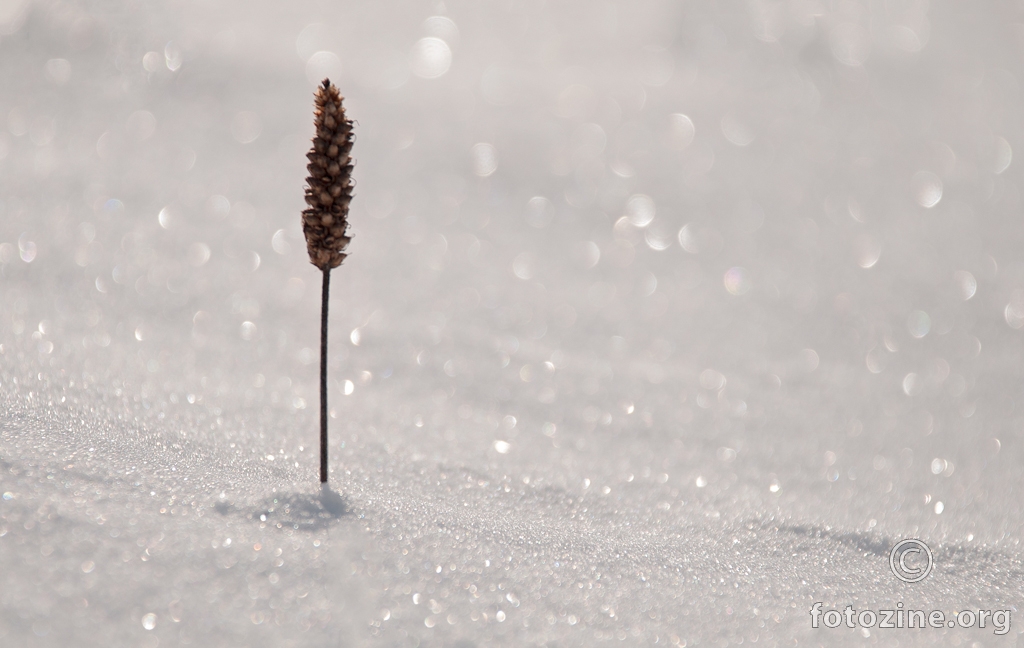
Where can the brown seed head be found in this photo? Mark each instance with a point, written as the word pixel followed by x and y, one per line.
pixel 329 185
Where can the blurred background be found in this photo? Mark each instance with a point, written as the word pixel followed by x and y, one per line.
pixel 761 257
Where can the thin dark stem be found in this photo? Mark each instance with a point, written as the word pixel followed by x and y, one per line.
pixel 323 378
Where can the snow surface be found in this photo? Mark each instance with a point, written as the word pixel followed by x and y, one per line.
pixel 662 322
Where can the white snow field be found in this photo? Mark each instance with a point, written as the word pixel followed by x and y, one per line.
pixel 663 322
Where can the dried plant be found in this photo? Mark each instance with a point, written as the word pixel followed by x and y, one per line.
pixel 325 220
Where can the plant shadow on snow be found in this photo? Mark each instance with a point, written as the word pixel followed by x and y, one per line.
pixel 296 510
pixel 869 543
pixel 1003 567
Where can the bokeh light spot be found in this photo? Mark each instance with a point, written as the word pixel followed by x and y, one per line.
pixel 1004 155
pixel 539 212
pixel 430 58
pixel 919 324
pixel 640 210
pixel 681 130
pixel 737 281
pixel 485 159
pixel 246 127
pixel 323 65
pixel 927 188
pixel 966 284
